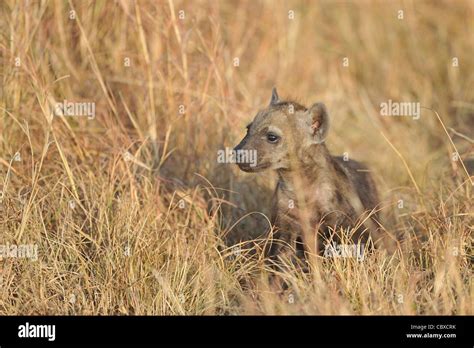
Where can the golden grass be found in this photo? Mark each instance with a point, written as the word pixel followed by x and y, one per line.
pixel 130 210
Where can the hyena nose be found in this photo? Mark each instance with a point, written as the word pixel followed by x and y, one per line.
pixel 237 151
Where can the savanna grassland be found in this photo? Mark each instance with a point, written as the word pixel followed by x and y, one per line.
pixel 130 211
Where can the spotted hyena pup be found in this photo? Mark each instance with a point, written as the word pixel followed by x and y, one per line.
pixel 319 197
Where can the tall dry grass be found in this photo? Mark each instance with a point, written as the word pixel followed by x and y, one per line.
pixel 130 210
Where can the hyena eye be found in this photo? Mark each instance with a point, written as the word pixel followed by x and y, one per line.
pixel 272 138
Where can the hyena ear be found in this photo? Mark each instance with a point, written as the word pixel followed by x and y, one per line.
pixel 319 122
pixel 275 99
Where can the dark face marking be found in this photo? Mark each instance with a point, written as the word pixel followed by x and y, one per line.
pixel 339 198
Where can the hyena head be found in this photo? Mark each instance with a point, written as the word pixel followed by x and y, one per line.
pixel 280 133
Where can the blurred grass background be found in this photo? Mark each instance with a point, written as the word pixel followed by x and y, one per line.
pixel 155 220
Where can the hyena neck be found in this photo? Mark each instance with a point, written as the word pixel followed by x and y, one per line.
pixel 314 167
